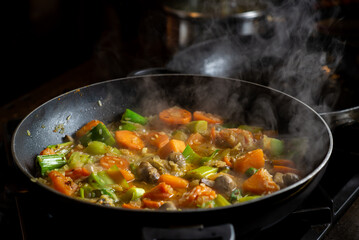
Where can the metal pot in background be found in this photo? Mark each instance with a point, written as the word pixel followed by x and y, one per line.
pixel 192 21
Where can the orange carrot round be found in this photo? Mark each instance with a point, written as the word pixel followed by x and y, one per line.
pixel 62 183
pixel 175 115
pixel 109 161
pixel 129 140
pixel 77 173
pixel 47 151
pixel 210 118
pixel 157 139
pixel 87 127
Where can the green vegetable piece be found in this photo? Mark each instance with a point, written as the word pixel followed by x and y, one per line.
pixel 235 196
pixel 99 180
pixel 201 172
pixel 253 129
pixel 110 192
pixel 190 155
pixel 248 198
pixel 96 148
pixel 273 145
pixel 210 157
pixel 78 159
pixel 179 135
pixel 98 133
pixel 62 148
pixel 131 116
pixel 250 171
pixel 132 194
pixel 197 126
pixel 127 126
pixel 220 201
pixel 50 162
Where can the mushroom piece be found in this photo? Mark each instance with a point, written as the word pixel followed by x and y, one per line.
pixel 168 206
pixel 225 185
pixel 284 180
pixel 146 172
pixel 177 158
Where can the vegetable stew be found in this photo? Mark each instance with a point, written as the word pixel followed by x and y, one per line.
pixel 173 160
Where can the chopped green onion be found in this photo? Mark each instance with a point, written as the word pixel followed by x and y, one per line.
pixel 210 157
pixel 201 172
pixel 197 126
pixel 132 194
pixel 251 171
pixel 78 159
pixel 96 148
pixel 273 145
pixel 190 155
pixel 220 201
pixel 98 133
pixel 248 198
pixel 50 162
pixel 131 116
pixel 62 148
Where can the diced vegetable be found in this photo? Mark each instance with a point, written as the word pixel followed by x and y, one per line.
pixel 235 196
pixel 148 203
pixel 260 183
pixel 201 172
pixel 50 162
pixel 78 159
pixel 172 146
pixel 179 135
pixel 77 173
pixel 98 133
pixel 131 116
pixel 100 180
pixel 47 151
pixel 199 126
pixel 220 201
pixel 62 184
pixel 174 181
pixel 198 196
pixel 196 139
pixel 175 115
pixel 157 139
pixel 210 157
pixel 208 117
pixel 162 191
pixel 273 145
pixel 253 159
pixel 109 161
pixel 250 171
pixel 87 127
pixel 127 126
pixel 118 177
pixel 248 198
pixel 62 148
pixel 129 140
pixel 190 155
pixel 132 194
pixel 96 148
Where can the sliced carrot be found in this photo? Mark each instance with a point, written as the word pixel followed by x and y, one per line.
pixel 283 162
pixel 213 134
pixel 209 117
pixel 162 191
pixel 130 206
pixel 109 161
pixel 152 204
pixel 227 161
pixel 129 176
pixel 62 183
pixel 174 181
pixel 173 145
pixel 260 183
pixel 284 169
pixel 196 139
pixel 47 151
pixel 157 139
pixel 87 127
pixel 253 159
pixel 175 115
pixel 129 140
pixel 77 173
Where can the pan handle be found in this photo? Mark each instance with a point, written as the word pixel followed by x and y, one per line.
pixel 224 232
pixel 338 118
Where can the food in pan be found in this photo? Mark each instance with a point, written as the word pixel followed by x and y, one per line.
pixel 173 160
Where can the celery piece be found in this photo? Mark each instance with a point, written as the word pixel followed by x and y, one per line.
pixel 190 155
pixel 253 129
pixel 248 198
pixel 78 159
pixel 98 133
pixel 201 172
pixel 199 126
pixel 210 157
pixel 131 116
pixel 127 126
pixel 220 201
pixel 132 194
pixel 62 148
pixel 116 175
pixel 273 145
pixel 99 180
pixel 96 148
pixel 50 162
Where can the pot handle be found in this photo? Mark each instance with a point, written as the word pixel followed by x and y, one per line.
pixel 152 71
pixel 224 231
pixel 338 118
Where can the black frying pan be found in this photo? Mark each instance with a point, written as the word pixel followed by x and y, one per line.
pixel 235 99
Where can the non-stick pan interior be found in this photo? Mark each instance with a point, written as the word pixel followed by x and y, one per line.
pixel 236 100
